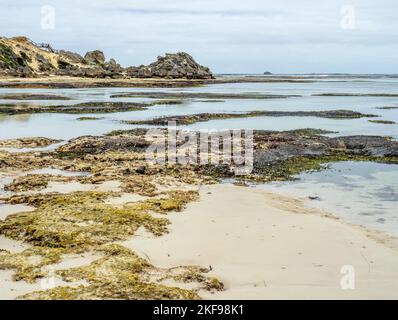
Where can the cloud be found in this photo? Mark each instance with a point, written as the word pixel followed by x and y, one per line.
pixel 228 35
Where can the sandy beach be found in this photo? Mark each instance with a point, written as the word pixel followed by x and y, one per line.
pixel 260 244
pixel 267 246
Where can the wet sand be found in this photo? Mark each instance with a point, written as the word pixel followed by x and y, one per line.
pixel 267 246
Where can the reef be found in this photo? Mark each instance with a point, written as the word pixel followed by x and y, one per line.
pixel 383 121
pixel 356 95
pixel 27 96
pixel 387 108
pixel 82 222
pixel 202 117
pixel 28 142
pixel 81 108
pixel 199 95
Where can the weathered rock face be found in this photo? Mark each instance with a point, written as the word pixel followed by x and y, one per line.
pixel 178 65
pixel 95 57
pixel 71 56
pixel 11 63
pixel 20 57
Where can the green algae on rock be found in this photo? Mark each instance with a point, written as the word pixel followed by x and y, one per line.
pixel 82 108
pixel 35 182
pixel 387 108
pixel 199 95
pixel 28 96
pixel 342 94
pixel 88 118
pixel 120 274
pixel 80 222
pixel 202 117
pixel 28 265
pixel 33 142
pixel 83 220
pixel 383 121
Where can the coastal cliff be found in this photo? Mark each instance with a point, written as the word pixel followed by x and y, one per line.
pixel 21 57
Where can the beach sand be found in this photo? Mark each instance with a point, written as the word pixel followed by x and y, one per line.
pixel 262 245
pixel 267 246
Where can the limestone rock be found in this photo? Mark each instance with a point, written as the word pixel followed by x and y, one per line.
pixel 95 57
pixel 178 65
pixel 71 56
pixel 21 57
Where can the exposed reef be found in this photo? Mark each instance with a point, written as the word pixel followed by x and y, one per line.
pixel 28 142
pixel 190 119
pixel 199 95
pixel 383 121
pixel 84 222
pixel 387 108
pixel 356 94
pixel 88 118
pixel 81 108
pixel 27 96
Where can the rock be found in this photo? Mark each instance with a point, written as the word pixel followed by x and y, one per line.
pixel 20 56
pixel 95 57
pixel 9 60
pixel 71 56
pixel 114 70
pixel 178 65
pixel 96 72
pixel 43 63
pixel 140 170
pixel 132 72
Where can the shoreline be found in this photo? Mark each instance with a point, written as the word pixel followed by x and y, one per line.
pixel 264 245
pixel 260 244
pixel 255 243
pixel 59 82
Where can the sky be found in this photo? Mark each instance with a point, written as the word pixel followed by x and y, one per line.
pixel 229 36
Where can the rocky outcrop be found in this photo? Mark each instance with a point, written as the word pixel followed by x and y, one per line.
pixel 173 66
pixel 20 57
pixel 95 57
pixel 71 56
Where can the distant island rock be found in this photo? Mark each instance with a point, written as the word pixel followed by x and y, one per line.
pixel 21 57
pixel 267 73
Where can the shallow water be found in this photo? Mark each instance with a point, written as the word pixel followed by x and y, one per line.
pixel 363 193
pixel 66 126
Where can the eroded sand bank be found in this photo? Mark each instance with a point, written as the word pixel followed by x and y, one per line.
pixel 267 246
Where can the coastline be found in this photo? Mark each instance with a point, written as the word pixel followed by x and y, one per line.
pixel 263 245
pixel 259 244
pixel 59 82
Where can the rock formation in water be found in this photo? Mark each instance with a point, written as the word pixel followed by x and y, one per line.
pixel 20 57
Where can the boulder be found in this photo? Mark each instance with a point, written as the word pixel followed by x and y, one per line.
pixel 113 66
pixel 95 57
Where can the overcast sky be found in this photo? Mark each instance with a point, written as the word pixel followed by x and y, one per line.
pixel 229 36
